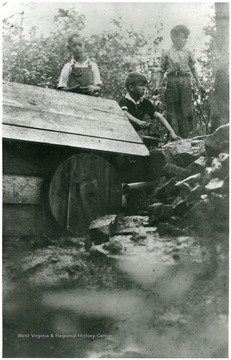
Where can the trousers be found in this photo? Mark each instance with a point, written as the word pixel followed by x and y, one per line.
pixel 178 99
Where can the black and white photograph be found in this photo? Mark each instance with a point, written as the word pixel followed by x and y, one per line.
pixel 115 179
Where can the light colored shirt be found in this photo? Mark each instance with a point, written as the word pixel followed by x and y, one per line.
pixel 63 80
pixel 176 60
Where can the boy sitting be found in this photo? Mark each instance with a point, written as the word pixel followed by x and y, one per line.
pixel 178 64
pixel 136 107
pixel 80 75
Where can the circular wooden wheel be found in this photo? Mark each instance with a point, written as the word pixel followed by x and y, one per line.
pixel 83 188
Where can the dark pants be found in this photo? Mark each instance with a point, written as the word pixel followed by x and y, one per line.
pixel 179 104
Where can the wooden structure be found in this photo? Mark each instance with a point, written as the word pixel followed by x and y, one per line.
pixel 42 128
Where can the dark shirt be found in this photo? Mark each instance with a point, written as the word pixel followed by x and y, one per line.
pixel 137 109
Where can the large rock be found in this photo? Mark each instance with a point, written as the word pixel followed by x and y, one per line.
pixel 198 166
pixel 215 184
pixel 100 229
pixel 159 212
pixel 218 142
pixel 201 217
pixel 183 152
pixel 195 194
pixel 171 170
pixel 165 190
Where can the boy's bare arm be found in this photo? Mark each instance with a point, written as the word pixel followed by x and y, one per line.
pixel 164 122
pixel 134 120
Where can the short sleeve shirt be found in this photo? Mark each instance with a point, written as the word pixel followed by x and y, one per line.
pixel 177 60
pixel 137 109
pixel 63 80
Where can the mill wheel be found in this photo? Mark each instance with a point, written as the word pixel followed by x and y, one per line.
pixel 83 188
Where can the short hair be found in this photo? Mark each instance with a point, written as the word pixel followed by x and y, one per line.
pixel 72 35
pixel 134 78
pixel 178 30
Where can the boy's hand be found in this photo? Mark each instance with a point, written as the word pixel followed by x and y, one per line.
pixel 174 137
pixel 144 124
pixel 91 88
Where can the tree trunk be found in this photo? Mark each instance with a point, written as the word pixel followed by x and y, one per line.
pixel 221 94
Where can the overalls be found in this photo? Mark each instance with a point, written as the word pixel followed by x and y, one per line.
pixel 82 77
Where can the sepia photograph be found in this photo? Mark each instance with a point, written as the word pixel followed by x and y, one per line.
pixel 115 179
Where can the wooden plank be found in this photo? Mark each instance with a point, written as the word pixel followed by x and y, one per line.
pixel 80 123
pixel 79 141
pixel 35 107
pixel 90 187
pixel 22 189
pixel 24 95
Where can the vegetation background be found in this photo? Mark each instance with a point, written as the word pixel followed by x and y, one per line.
pixel 37 57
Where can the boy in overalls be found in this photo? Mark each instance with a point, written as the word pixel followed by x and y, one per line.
pixel 178 64
pixel 80 75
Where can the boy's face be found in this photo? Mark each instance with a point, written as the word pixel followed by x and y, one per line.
pixel 138 89
pixel 179 41
pixel 77 46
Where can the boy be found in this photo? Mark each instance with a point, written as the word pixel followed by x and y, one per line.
pixel 80 75
pixel 135 106
pixel 178 64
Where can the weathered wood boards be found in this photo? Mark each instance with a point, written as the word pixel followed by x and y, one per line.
pixel 53 117
pixel 83 188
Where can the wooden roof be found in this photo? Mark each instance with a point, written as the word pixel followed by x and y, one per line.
pixel 48 116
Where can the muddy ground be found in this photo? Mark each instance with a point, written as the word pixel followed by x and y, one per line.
pixel 160 297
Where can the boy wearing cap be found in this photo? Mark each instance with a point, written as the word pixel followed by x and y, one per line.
pixel 80 75
pixel 178 63
pixel 135 106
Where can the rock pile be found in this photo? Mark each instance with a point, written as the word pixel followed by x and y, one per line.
pixel 193 190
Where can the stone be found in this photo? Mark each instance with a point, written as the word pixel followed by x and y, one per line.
pixel 157 160
pixel 166 189
pixel 114 246
pixel 214 184
pixel 184 160
pixel 159 212
pixel 183 146
pixel 201 217
pixel 218 142
pixel 216 167
pixel 195 194
pixel 171 170
pixel 223 158
pixel 139 234
pixel 169 229
pixel 198 166
pixel 208 175
pixel 100 229
pixel 181 208
pixel 221 204
pixel 127 224
pixel 177 200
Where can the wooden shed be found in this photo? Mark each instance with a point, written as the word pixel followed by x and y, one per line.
pixel 60 149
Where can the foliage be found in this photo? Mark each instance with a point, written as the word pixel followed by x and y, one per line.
pixel 38 60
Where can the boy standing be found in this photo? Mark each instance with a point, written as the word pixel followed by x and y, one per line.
pixel 178 64
pixel 80 75
pixel 135 106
